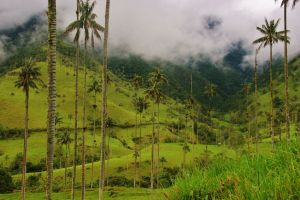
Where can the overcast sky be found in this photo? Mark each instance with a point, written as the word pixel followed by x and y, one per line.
pixel 170 29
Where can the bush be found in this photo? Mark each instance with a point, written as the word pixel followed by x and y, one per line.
pixel 33 181
pixel 167 176
pixel 16 165
pixel 6 184
pixel 6 133
pixel 120 181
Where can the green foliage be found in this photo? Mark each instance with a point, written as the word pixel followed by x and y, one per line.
pixel 6 183
pixel 251 177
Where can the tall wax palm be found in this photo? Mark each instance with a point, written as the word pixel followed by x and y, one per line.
pixel 136 83
pixel 270 37
pixel 210 91
pixel 284 4
pixel 151 94
pixel 51 94
pixel 141 105
pixel 87 22
pixel 104 101
pixel 65 139
pixel 29 77
pixel 95 88
pixel 157 79
pixel 77 26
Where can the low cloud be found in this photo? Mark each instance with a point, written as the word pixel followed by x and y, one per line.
pixel 172 29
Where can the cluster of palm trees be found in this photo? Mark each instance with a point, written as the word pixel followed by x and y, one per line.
pixel 29 77
pixel 271 36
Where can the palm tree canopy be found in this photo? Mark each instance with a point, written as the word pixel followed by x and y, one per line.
pixel 64 138
pixel 58 119
pixel 270 34
pixel 95 87
pixel 137 82
pixel 29 76
pixel 155 94
pixel 157 78
pixel 140 104
pixel 87 21
pixel 286 2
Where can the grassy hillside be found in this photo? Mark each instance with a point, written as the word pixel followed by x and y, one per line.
pixel 12 100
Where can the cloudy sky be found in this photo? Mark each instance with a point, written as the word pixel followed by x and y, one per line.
pixel 170 29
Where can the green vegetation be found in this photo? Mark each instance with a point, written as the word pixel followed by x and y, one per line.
pixel 272 176
pixel 123 127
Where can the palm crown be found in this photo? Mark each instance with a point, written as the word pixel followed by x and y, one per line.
pixel 95 87
pixel 270 34
pixel 29 77
pixel 87 21
pixel 286 2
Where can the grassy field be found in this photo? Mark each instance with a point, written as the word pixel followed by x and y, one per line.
pixel 112 193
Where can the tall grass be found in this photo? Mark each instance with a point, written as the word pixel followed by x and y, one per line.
pixel 275 176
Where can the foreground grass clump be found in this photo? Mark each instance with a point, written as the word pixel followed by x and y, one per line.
pixel 276 176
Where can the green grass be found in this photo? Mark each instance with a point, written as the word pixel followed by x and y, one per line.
pixel 113 193
pixel 274 176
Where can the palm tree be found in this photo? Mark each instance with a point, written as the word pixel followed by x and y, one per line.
pixel 29 77
pixel 136 83
pixel 76 40
pixel 87 22
pixel 142 105
pixel 210 90
pixel 51 93
pixel 284 3
pixel 104 101
pixel 151 94
pixel 95 88
pixel 246 89
pixel 270 37
pixel 157 79
pixel 65 139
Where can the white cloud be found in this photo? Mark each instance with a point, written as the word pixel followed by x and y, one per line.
pixel 169 28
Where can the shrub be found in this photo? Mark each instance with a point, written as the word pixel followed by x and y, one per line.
pixel 33 181
pixel 120 181
pixel 6 184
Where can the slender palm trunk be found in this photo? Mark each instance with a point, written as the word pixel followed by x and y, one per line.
pixel 255 100
pixel 51 94
pixel 286 76
pixel 76 112
pixel 25 146
pixel 271 96
pixel 108 158
pixel 140 147
pixel 158 148
pixel 135 152
pixel 66 165
pixel 152 149
pixel 104 101
pixel 209 127
pixel 94 139
pixel 84 129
